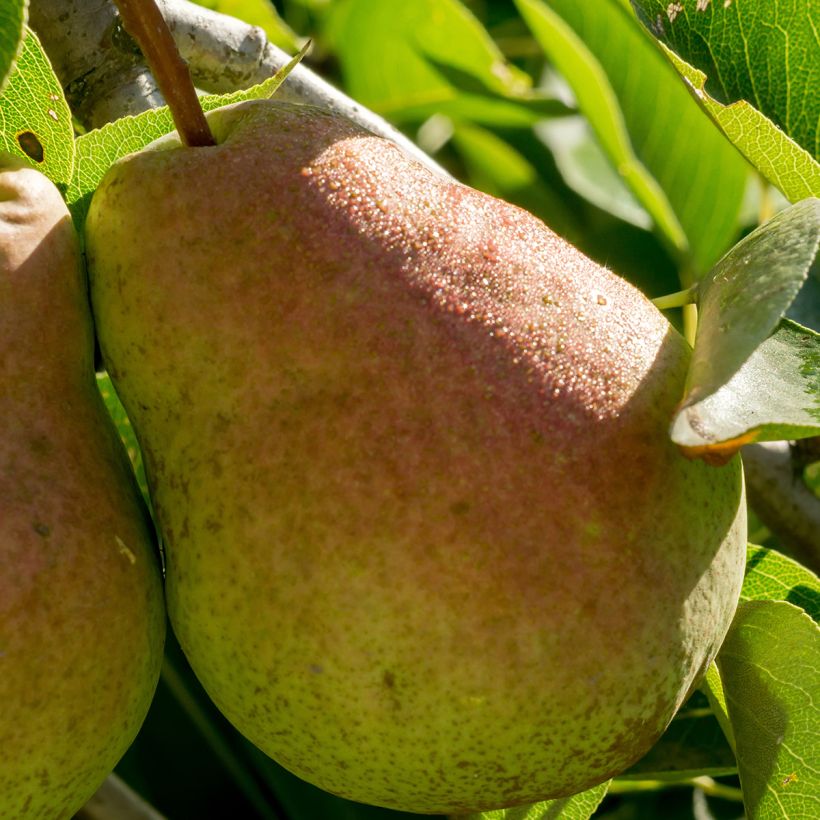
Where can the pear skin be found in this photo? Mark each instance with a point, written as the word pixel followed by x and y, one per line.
pixel 429 544
pixel 81 609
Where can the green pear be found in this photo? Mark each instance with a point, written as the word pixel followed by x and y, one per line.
pixel 81 610
pixel 429 544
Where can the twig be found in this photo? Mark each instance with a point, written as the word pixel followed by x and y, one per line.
pixel 782 501
pixel 145 23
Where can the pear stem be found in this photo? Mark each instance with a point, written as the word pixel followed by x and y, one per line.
pixel 144 22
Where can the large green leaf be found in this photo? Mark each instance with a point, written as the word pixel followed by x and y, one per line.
pixel 410 60
pixel 771 576
pixel 769 667
pixel 578 807
pixel 35 121
pixel 12 21
pixel 678 165
pixel 765 53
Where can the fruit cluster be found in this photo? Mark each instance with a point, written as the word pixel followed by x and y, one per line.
pixel 428 543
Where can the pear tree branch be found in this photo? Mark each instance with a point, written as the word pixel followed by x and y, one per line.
pixel 782 500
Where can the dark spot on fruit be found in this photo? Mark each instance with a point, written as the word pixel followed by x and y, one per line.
pixel 460 507
pixel 41 529
pixel 389 679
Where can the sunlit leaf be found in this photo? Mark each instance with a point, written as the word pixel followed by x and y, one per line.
pixel 764 53
pixel 260 13
pixel 769 667
pixel 772 576
pixel 586 169
pixel 776 156
pixel 35 121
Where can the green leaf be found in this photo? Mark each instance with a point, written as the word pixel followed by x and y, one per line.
pixel 578 807
pixel 771 576
pixel 125 430
pixel 12 22
pixel 746 382
pixel 410 60
pixel 712 687
pixel 774 396
pixel 35 121
pixel 764 53
pixel 680 168
pixel 769 666
pixel 692 746
pixel 778 158
pixel 742 299
pixel 587 171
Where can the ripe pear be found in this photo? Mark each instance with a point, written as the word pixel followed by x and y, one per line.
pixel 429 544
pixel 81 609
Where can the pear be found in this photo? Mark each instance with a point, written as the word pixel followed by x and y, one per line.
pixel 429 544
pixel 81 610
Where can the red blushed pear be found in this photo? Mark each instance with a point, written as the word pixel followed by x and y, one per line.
pixel 429 544
pixel 81 612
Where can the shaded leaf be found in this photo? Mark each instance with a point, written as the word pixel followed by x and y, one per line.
pixel 775 395
pixel 805 309
pixel 578 807
pixel 693 745
pixel 712 687
pixel 680 168
pixel 587 171
pixel 764 53
pixel 772 576
pixel 12 21
pixel 769 667
pixel 35 121
pixel 742 299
